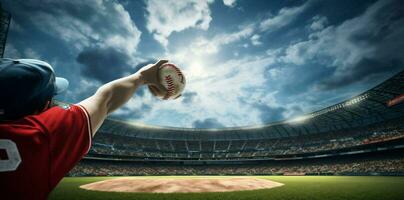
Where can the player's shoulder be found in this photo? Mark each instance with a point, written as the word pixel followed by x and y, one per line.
pixel 23 126
pixel 59 108
pixel 59 114
pixel 62 105
pixel 61 111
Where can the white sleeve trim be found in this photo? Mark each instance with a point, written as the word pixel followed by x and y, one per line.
pixel 90 135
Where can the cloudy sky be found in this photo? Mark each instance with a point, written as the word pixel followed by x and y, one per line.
pixel 246 62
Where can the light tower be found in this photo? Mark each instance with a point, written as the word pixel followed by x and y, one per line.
pixel 5 19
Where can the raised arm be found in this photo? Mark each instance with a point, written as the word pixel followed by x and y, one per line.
pixel 114 94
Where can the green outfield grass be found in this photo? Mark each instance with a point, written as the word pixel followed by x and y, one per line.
pixel 296 187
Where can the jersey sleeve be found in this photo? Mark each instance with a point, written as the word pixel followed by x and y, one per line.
pixel 69 132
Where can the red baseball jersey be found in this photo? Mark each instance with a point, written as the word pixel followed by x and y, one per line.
pixel 38 150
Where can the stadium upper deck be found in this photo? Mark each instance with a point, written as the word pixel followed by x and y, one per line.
pixel 380 104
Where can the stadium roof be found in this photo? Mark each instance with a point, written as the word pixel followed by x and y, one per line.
pixel 382 103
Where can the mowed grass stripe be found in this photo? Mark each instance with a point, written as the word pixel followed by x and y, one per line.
pixel 296 187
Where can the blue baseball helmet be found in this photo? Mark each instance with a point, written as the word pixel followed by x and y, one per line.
pixel 26 85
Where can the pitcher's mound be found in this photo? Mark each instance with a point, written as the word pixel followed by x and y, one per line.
pixel 181 185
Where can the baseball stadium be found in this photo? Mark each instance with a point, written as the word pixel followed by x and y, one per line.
pixel 352 149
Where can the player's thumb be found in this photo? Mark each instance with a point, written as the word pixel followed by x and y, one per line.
pixel 161 62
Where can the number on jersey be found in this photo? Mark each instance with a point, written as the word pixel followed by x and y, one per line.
pixel 13 155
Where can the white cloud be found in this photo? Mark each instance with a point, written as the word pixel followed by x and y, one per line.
pixel 166 17
pixel 213 45
pixel 274 52
pixel 336 43
pixel 284 17
pixel 294 53
pixel 255 40
pixel 319 22
pixel 87 87
pixel 30 53
pixel 110 24
pixel 200 55
pixel 218 93
pixel 11 52
pixel 218 84
pixel 230 3
pixel 359 50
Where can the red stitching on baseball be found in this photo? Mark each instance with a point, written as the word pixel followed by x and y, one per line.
pixel 178 71
pixel 170 85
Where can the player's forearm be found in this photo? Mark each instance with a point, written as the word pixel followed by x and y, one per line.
pixel 110 97
pixel 118 92
pixel 113 95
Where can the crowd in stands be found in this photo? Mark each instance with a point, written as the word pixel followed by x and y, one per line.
pixel 364 167
pixel 354 139
pixel 110 144
pixel 383 136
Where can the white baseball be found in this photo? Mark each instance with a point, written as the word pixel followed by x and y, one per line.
pixel 172 79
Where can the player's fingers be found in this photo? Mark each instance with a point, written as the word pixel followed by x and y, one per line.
pixel 153 90
pixel 150 74
pixel 160 87
pixel 157 90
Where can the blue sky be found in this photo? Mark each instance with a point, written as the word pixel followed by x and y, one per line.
pixel 246 62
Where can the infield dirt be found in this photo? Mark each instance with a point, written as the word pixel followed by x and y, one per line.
pixel 180 185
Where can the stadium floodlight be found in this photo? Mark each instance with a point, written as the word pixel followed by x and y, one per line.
pixel 356 100
pixel 300 119
pixel 348 103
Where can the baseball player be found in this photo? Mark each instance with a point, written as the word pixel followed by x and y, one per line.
pixel 39 143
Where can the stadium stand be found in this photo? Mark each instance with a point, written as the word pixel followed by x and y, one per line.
pixel 352 137
pixel 369 164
